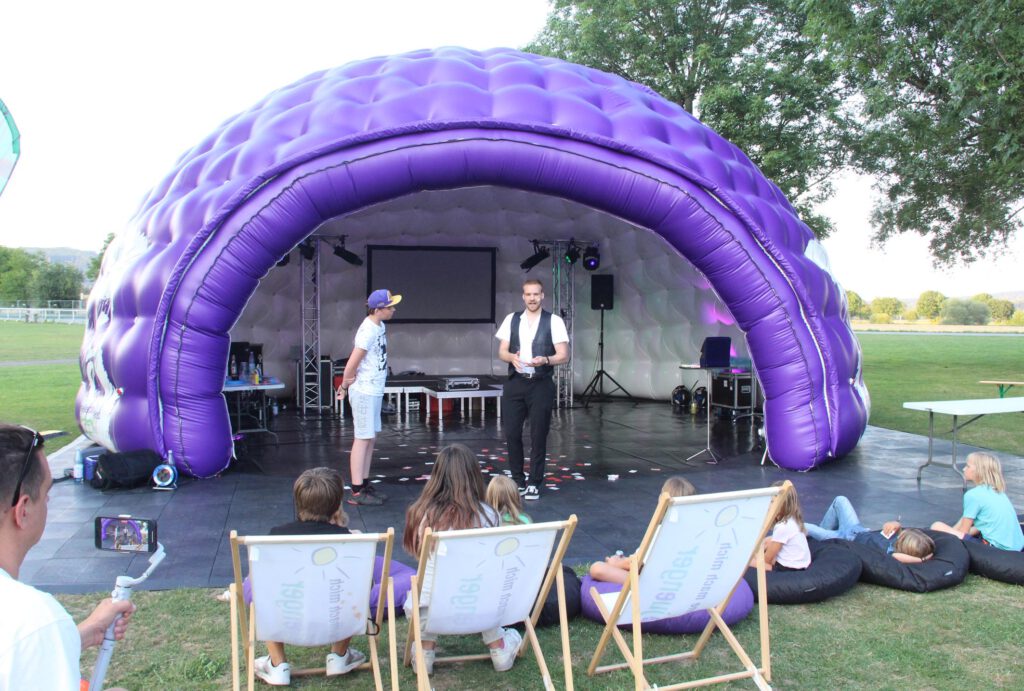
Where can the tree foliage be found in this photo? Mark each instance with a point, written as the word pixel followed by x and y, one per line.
pixel 29 278
pixel 891 306
pixel 96 262
pixel 744 67
pixel 968 312
pixel 1002 310
pixel 940 88
pixel 856 306
pixel 929 304
pixel 56 282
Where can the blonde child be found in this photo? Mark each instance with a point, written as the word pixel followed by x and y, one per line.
pixel 453 499
pixel 988 514
pixel 503 496
pixel 615 569
pixel 786 549
pixel 318 493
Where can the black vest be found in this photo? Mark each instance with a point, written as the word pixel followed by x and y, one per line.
pixel 542 343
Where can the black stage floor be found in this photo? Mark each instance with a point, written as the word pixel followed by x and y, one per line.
pixel 641 443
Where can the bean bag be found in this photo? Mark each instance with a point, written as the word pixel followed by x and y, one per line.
pixel 832 572
pixel 738 608
pixel 997 564
pixel 400 573
pixel 948 567
pixel 549 613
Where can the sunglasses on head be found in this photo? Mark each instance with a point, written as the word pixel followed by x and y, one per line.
pixel 37 440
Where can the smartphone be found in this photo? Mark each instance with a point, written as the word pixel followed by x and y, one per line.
pixel 125 534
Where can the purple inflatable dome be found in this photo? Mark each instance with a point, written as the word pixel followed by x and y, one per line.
pixel 176 280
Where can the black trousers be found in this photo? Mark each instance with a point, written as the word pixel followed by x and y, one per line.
pixel 527 399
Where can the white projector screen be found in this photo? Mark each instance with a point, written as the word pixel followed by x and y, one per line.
pixel 438 285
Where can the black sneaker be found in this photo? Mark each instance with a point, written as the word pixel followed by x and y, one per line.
pixel 363 498
pixel 372 489
pixel 532 493
pixel 522 489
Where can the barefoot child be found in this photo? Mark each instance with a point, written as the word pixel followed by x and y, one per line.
pixel 988 515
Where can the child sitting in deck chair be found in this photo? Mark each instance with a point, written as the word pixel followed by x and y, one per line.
pixel 988 515
pixel 615 568
pixel 503 496
pixel 453 499
pixel 840 521
pixel 318 494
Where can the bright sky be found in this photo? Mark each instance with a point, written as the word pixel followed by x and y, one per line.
pixel 108 95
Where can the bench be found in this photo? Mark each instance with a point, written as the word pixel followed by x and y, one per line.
pixel 1004 386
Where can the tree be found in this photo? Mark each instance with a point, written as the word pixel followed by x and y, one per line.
pixel 855 305
pixel 56 282
pixel 891 306
pixel 929 304
pixel 17 267
pixel 1002 310
pixel 939 90
pixel 94 265
pixel 744 67
pixel 965 312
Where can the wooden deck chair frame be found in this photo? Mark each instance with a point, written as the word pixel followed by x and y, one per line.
pixel 553 575
pixel 243 618
pixel 634 659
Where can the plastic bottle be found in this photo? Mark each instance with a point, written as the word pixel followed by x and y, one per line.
pixel 233 369
pixel 259 368
pixel 78 473
pixel 251 369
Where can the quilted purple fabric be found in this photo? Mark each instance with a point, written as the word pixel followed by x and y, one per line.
pixel 173 284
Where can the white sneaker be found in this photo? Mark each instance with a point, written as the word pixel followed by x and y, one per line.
pixel 504 658
pixel 275 676
pixel 343 664
pixel 428 658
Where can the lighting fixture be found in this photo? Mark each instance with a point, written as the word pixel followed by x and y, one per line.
pixel 539 254
pixel 591 258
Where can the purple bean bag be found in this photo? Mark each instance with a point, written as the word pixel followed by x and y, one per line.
pixel 738 608
pixel 400 573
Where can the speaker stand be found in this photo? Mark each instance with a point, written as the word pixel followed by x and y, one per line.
pixel 596 385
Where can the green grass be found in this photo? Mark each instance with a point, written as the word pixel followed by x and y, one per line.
pixel 900 368
pixel 20 341
pixel 870 638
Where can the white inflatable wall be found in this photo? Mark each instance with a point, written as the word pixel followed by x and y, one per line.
pixel 663 307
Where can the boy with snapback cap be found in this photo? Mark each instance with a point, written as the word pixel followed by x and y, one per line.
pixel 363 383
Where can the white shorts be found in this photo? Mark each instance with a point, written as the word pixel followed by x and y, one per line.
pixel 365 413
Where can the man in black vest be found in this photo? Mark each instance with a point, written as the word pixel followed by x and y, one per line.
pixel 532 343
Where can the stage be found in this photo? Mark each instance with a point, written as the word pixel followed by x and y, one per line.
pixel 641 443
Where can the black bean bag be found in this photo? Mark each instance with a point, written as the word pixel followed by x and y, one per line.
pixel 833 571
pixel 997 564
pixel 948 567
pixel 549 612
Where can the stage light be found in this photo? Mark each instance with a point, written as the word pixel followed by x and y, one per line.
pixel 308 250
pixel 591 258
pixel 283 261
pixel 572 253
pixel 351 257
pixel 539 255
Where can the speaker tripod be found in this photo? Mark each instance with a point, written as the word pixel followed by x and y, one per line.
pixel 596 385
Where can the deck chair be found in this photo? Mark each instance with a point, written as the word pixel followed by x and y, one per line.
pixel 311 590
pixel 483 578
pixel 692 557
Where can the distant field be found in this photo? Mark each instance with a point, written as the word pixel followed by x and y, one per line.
pixel 897 368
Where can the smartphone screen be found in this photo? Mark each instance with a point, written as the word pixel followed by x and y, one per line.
pixel 125 534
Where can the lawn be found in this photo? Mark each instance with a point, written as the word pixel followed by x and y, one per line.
pixel 897 368
pixel 966 637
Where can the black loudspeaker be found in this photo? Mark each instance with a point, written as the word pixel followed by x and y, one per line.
pixel 714 352
pixel 602 291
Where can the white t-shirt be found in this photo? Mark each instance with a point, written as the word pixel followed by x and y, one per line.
pixel 795 554
pixel 528 331
pixel 373 370
pixel 39 642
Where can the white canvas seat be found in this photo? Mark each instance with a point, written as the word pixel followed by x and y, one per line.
pixel 692 557
pixel 474 580
pixel 311 590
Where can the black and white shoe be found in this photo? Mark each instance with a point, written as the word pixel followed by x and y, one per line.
pixel 522 489
pixel 532 493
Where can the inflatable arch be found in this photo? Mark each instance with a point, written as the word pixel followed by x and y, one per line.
pixel 175 282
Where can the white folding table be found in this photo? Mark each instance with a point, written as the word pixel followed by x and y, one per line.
pixel 975 407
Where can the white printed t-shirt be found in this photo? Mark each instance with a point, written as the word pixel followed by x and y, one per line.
pixel 795 553
pixel 528 331
pixel 373 370
pixel 39 642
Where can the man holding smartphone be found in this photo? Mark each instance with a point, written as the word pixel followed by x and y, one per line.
pixel 39 642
